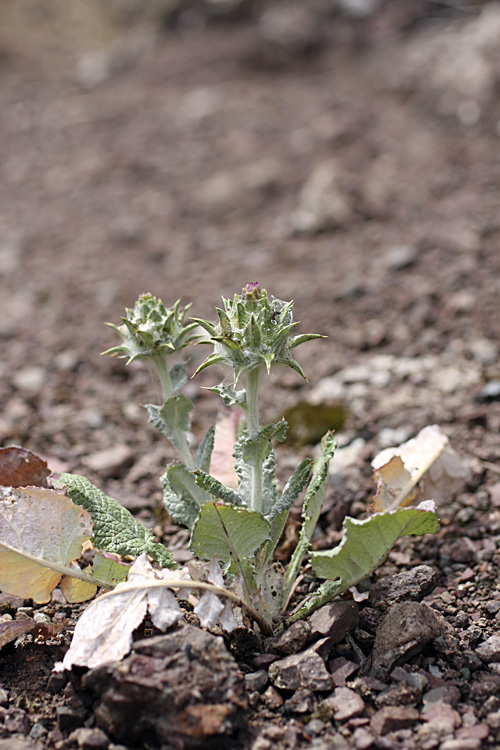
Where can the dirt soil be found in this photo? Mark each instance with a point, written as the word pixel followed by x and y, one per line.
pixel 350 163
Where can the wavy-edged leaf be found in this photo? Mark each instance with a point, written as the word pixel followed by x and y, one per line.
pixel 172 419
pixel 313 502
pixel 115 528
pixel 366 543
pixel 292 488
pixel 182 497
pixel 41 533
pixel 205 450
pixel 230 396
pixel 217 489
pixel 254 450
pixel 178 376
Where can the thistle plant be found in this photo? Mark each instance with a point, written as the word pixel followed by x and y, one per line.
pixel 238 530
pixel 253 336
pixel 154 334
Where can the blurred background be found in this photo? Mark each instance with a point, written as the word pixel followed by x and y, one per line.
pixel 343 153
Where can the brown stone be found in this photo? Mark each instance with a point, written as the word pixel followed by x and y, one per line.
pixel 392 718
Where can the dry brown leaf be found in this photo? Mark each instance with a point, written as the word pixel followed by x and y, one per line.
pixel 20 468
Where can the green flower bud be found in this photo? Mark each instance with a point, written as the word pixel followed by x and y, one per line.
pixel 150 330
pixel 253 331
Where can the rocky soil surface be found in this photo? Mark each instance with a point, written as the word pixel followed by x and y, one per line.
pixel 344 155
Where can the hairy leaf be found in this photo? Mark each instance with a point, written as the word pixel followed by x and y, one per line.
pixel 256 449
pixel 313 502
pixel 293 488
pixel 172 419
pixel 366 543
pixel 115 528
pixel 178 376
pixel 205 450
pixel 229 395
pixel 182 496
pixel 217 489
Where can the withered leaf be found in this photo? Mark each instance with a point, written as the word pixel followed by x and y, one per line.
pixel 20 467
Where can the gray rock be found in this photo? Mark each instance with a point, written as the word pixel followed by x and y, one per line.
pixel 256 681
pixel 444 694
pixel 489 651
pixel 345 703
pixel 324 204
pixel 441 718
pixel 334 621
pixel 90 739
pixel 410 585
pixel 293 639
pixel 405 630
pixel 341 669
pixel 18 743
pixel 301 671
pixel 301 702
pixel 399 257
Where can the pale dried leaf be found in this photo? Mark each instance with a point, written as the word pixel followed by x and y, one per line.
pixel 104 632
pixel 425 467
pixel 41 533
pixel 209 609
pixel 75 590
pixel 227 620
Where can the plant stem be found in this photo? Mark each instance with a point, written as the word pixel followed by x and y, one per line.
pixel 164 375
pixel 180 440
pixel 253 425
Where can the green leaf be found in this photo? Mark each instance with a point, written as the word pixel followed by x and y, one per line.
pixel 178 376
pixel 302 338
pixel 366 543
pixel 182 497
pixel 172 418
pixel 230 396
pixel 115 528
pixel 109 569
pixel 313 502
pixel 315 495
pixel 232 534
pixel 293 488
pixel 216 488
pixel 204 452
pixel 256 449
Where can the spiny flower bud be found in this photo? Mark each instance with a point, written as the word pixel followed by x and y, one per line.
pixel 151 330
pixel 253 330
